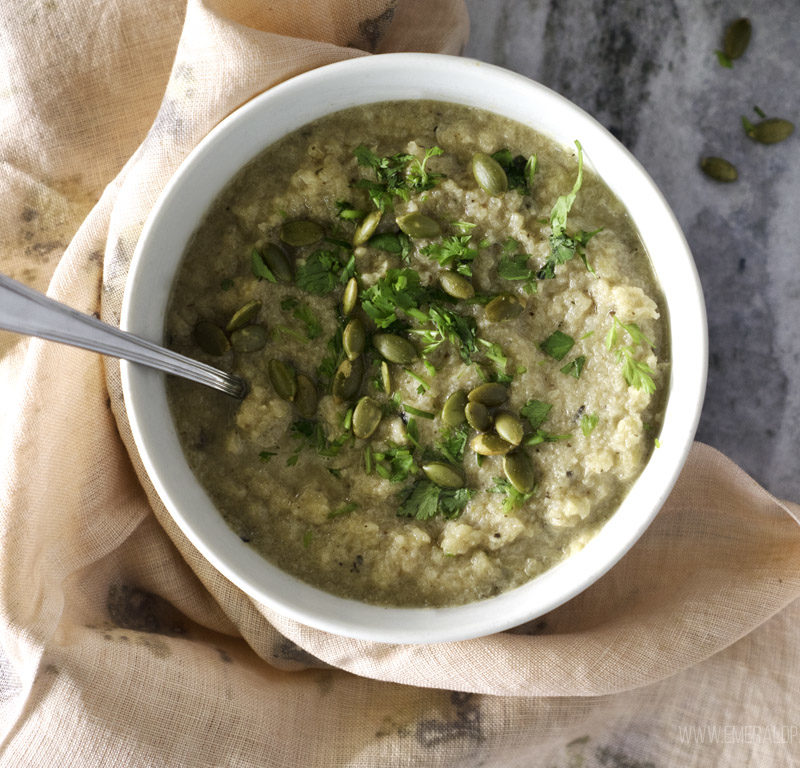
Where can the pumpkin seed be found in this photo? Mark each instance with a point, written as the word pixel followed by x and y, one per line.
pixel 518 469
pixel 719 169
pixel 366 228
pixel 509 427
pixel 771 131
pixel 302 232
pixel 737 38
pixel 489 174
pixel 305 398
pixel 455 285
pixel 278 263
pixel 244 316
pixel 283 378
pixel 354 338
pixel 443 474
pixel 386 377
pixel 347 379
pixel 477 415
pixel 416 224
pixel 394 348
pixel 211 338
pixel 251 338
pixel 366 417
pixel 490 445
pixel 453 409
pixel 501 308
pixel 350 296
pixel 490 394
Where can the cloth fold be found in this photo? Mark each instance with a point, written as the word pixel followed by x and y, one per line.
pixel 120 645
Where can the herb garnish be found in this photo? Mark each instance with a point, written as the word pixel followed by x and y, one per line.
pixel 564 247
pixel 459 330
pixel 323 270
pixel 265 456
pixel 345 509
pixel 259 267
pixel 513 498
pixel 637 373
pixel 588 422
pixel 453 252
pixel 424 500
pixel 514 266
pixel 574 367
pixel 395 464
pixel 453 443
pixel 520 172
pixel 557 344
pixel 536 412
pixel 305 314
pixel 397 289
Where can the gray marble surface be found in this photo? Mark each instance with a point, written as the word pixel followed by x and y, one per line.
pixel 648 72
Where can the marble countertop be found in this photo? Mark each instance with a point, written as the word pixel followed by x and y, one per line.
pixel 648 72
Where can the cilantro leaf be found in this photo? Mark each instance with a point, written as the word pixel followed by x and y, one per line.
pixel 514 266
pixel 260 268
pixel 459 330
pixel 557 344
pixel 323 271
pixel 513 498
pixel 424 500
pixel 418 176
pixel 453 443
pixel 588 422
pixel 636 373
pixel 395 464
pixel 453 252
pixel 397 289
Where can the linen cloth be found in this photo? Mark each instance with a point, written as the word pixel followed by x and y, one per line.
pixel 120 645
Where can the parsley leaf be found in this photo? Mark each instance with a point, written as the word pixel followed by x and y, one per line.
pixel 514 266
pixel 574 367
pixel 535 411
pixel 453 443
pixel 397 289
pixel 396 463
pixel 453 252
pixel 323 271
pixel 260 268
pixel 519 171
pixel 513 498
pixel 459 330
pixel 424 500
pixel 588 422
pixel 557 344
pixel 392 242
pixel 418 176
pixel 636 373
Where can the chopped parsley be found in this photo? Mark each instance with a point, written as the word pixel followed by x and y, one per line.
pixel 396 463
pixel 312 435
pixel 453 253
pixel 514 266
pixel 395 176
pixel 265 456
pixel 459 330
pixel 588 422
pixel 424 500
pixel 557 344
pixel 536 412
pixel 519 170
pixel 513 499
pixel 324 270
pixel 398 243
pixel 574 367
pixel 637 373
pixel 453 443
pixel 345 211
pixel 397 289
pixel 259 267
pixel 564 247
pixel 305 314
pixel 345 509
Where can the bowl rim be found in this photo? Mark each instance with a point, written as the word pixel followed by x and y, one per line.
pixel 181 201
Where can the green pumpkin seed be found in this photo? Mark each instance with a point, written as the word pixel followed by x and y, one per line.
pixel 244 316
pixel 354 338
pixel 771 131
pixel 277 261
pixel 299 233
pixel 455 285
pixel 394 348
pixel 490 394
pixel 489 174
pixel 477 416
pixel 386 377
pixel 283 378
pixel 211 338
pixel 366 417
pixel 509 427
pixel 518 469
pixel 443 474
pixel 305 398
pixel 737 38
pixel 490 445
pixel 501 308
pixel 350 296
pixel 453 409
pixel 719 169
pixel 251 338
pixel 366 228
pixel 416 224
pixel 347 379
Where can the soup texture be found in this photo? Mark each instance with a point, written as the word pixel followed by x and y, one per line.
pixel 455 345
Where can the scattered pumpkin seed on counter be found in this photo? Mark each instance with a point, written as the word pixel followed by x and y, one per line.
pixel 404 305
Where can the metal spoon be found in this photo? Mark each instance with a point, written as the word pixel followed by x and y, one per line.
pixel 24 310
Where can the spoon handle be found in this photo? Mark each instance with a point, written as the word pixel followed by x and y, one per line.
pixel 26 311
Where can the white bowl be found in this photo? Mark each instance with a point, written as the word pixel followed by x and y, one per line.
pixel 245 134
